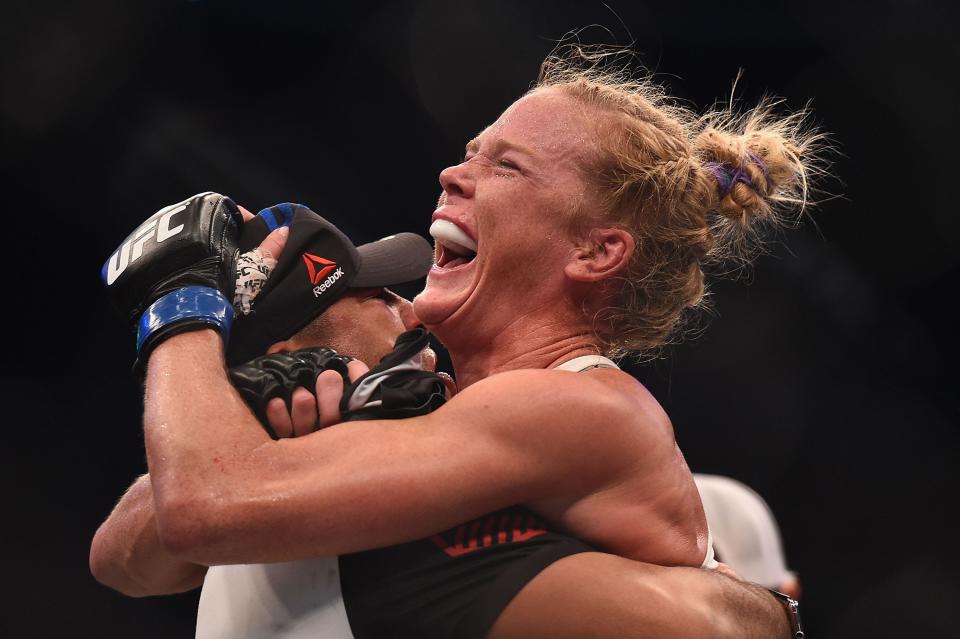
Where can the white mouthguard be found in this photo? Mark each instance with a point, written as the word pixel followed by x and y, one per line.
pixel 451 235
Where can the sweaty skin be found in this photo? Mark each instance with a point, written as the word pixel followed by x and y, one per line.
pixel 598 595
pixel 588 594
pixel 613 597
pixel 224 491
pixel 127 553
pixel 591 452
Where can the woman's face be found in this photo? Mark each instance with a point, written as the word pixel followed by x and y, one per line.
pixel 502 235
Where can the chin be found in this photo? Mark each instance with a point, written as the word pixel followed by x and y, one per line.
pixel 432 311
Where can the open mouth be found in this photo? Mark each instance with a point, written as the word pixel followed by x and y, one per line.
pixel 454 247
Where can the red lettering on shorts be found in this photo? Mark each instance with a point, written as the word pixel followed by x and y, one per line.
pixel 479 533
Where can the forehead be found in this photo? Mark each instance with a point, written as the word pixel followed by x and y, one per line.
pixel 352 313
pixel 549 123
pixel 346 306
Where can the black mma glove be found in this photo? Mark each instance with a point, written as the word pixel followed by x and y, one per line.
pixel 397 387
pixel 278 375
pixel 171 274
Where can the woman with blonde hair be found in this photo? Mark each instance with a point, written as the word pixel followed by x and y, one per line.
pixel 579 227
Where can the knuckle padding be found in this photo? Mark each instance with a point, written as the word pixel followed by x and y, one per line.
pixel 202 253
pixel 394 389
pixel 169 274
pixel 278 375
pixel 400 395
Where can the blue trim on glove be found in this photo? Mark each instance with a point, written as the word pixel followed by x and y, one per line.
pixel 195 303
pixel 278 215
pixel 269 219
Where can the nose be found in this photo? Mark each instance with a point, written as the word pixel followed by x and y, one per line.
pixel 458 180
pixel 407 316
pixel 404 309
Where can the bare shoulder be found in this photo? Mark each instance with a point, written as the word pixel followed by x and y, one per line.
pixel 601 402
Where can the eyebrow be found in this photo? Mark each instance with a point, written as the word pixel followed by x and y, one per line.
pixel 501 144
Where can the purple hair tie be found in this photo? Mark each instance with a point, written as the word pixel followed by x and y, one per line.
pixel 724 177
pixel 763 169
pixel 727 178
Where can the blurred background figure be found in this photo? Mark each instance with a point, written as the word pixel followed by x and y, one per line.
pixel 745 534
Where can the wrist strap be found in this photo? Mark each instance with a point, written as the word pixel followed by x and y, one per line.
pixel 793 613
pixel 190 303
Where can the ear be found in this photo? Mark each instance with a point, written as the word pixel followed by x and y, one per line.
pixel 281 347
pixel 603 254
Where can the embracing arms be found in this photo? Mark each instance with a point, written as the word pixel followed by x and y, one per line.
pixel 613 597
pixel 599 595
pixel 127 555
pixel 225 492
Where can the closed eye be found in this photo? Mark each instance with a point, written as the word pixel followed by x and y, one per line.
pixel 372 293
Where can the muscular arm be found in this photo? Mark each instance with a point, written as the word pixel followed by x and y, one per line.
pixel 226 493
pixel 126 553
pixel 600 595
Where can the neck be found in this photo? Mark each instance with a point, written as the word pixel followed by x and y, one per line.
pixel 544 344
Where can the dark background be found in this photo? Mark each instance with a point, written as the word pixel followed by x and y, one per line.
pixel 826 382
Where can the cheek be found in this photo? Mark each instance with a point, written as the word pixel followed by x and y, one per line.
pixel 376 336
pixel 532 236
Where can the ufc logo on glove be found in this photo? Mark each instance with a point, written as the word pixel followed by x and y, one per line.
pixel 156 226
pixel 171 274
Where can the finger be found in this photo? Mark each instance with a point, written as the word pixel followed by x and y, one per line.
pixel 278 418
pixel 449 385
pixel 357 369
pixel 428 359
pixel 303 412
pixel 329 392
pixel 245 214
pixel 273 244
pixel 254 267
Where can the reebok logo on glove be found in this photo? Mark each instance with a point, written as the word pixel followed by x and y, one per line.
pixel 131 250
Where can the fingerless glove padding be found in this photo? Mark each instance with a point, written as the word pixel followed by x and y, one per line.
pixel 278 375
pixel 397 387
pixel 394 389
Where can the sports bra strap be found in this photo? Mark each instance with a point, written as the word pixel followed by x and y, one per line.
pixel 578 364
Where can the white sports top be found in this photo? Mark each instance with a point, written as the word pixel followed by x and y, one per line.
pixel 578 364
pixel 291 600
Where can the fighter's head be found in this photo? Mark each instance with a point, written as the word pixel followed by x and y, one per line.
pixel 325 291
pixel 597 192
